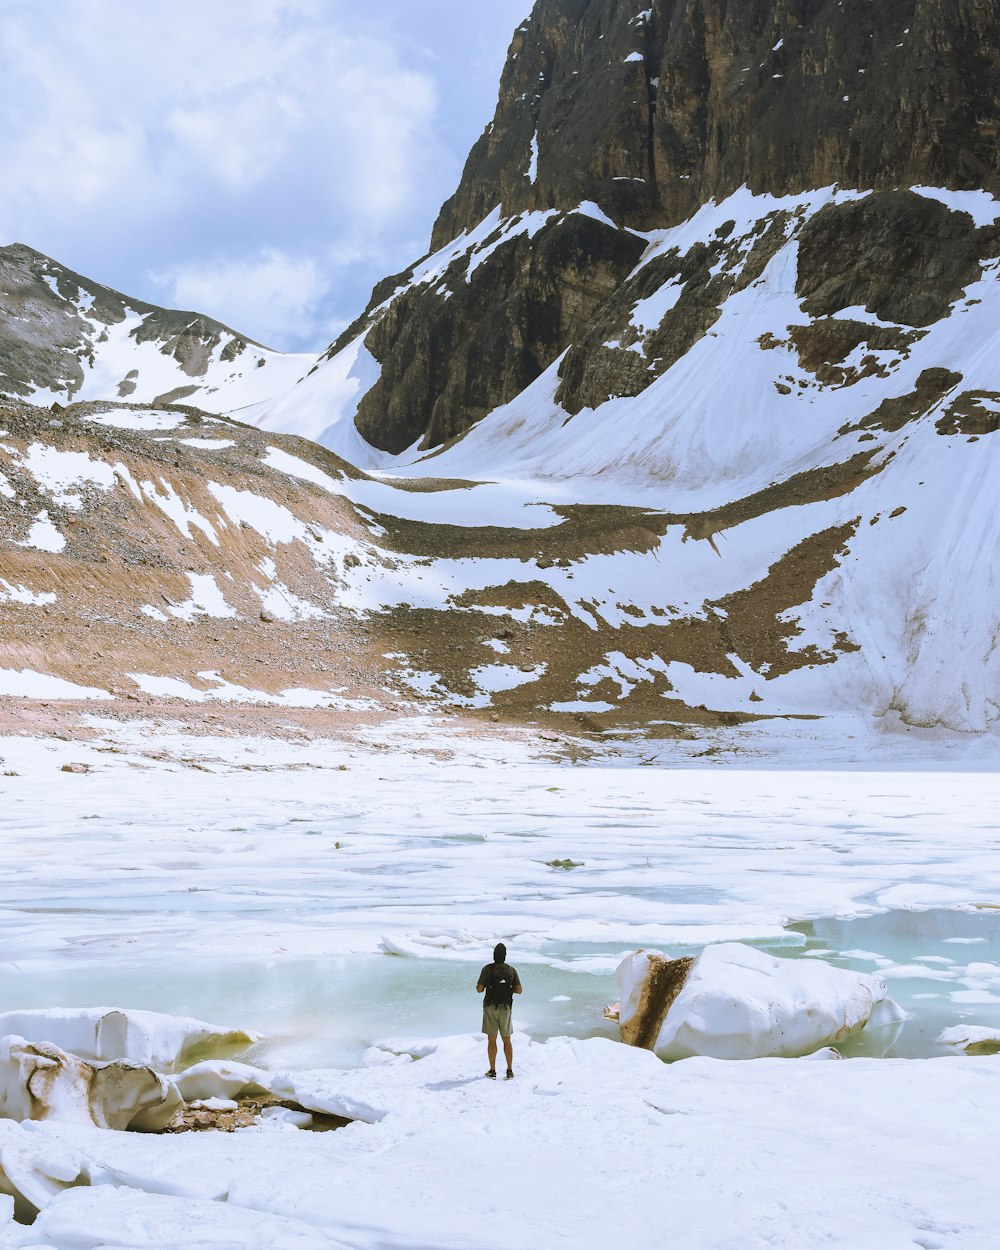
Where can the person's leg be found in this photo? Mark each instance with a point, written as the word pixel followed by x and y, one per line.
pixel 491 1050
pixel 508 1054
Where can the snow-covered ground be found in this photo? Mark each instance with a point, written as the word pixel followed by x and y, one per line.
pixel 341 897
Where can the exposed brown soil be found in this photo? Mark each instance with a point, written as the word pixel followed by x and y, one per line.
pixel 810 486
pixel 752 623
pixel 123 556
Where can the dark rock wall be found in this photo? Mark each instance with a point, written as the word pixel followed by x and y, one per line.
pixel 782 95
pixel 447 362
pixel 901 256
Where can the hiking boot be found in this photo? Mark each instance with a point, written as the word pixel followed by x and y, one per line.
pixel 492 1074
pixel 510 1074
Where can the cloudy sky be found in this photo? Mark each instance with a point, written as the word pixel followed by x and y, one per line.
pixel 262 161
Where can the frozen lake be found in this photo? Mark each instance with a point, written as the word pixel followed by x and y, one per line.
pixel 321 1012
pixel 267 887
pixel 337 895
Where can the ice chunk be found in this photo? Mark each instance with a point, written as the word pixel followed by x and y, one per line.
pixel 33 1170
pixel 42 1082
pixel 321 1090
pixel 286 1116
pixel 105 1033
pixel 220 1078
pixel 734 1002
pixel 974 1039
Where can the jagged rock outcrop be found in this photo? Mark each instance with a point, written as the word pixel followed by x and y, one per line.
pixel 447 363
pixel 896 254
pixel 66 337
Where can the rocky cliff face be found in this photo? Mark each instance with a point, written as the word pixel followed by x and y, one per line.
pixel 653 111
pixel 65 337
pixel 641 115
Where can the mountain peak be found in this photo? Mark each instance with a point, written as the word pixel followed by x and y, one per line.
pixel 66 337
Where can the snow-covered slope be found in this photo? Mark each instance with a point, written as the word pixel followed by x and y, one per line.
pixel 815 528
pixel 64 337
pixel 738 271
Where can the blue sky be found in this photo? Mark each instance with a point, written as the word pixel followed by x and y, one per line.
pixel 262 161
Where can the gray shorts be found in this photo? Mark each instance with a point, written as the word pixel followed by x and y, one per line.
pixel 496 1020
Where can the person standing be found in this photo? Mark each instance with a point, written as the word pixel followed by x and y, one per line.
pixel 499 982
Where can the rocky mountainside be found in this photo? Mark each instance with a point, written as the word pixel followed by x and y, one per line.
pixel 64 337
pixel 687 421
pixel 164 556
pixel 651 112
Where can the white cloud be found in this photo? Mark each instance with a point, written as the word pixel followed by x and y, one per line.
pixel 270 291
pixel 141 139
pixel 159 100
pixel 213 122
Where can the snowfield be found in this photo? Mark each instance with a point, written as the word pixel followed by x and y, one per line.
pixel 340 897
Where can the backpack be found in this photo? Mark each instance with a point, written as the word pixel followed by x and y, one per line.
pixel 499 986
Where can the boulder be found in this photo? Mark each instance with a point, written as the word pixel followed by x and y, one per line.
pixel 38 1081
pixel 106 1033
pixel 735 1002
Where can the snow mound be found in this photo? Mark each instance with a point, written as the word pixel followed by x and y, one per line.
pixel 107 1218
pixel 221 1078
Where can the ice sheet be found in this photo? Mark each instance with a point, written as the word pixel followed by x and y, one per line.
pixel 263 879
